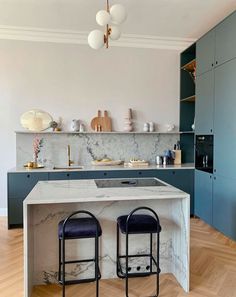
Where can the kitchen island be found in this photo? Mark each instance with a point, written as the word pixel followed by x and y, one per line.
pixel 51 201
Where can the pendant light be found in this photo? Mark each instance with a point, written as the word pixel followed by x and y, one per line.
pixel 110 18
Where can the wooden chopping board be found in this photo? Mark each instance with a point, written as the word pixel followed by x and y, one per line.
pixel 104 122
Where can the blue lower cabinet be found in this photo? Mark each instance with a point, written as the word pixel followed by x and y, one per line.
pixel 15 212
pixel 19 186
pixel 182 179
pixel 224 205
pixel 203 196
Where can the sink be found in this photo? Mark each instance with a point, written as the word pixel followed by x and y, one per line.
pixel 73 167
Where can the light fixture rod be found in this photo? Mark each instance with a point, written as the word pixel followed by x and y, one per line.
pixel 108 7
pixel 107 27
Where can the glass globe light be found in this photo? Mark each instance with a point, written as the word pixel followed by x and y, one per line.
pixel 96 39
pixel 115 33
pixel 118 14
pixel 103 18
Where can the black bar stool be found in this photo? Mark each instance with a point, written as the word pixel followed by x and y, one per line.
pixel 78 228
pixel 138 224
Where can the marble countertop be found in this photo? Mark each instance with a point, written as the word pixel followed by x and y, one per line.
pixel 71 191
pixel 104 168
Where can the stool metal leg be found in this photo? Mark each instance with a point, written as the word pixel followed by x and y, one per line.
pixel 127 265
pixel 59 258
pixel 150 252
pixel 158 272
pixel 96 264
pixel 63 268
pixel 117 248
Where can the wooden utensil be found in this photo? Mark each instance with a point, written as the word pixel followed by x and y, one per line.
pixel 106 122
pixel 100 123
pixel 96 121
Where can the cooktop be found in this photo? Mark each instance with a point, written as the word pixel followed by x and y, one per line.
pixel 127 183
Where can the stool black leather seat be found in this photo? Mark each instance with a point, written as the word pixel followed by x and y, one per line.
pixel 138 224
pixel 81 227
pixel 78 228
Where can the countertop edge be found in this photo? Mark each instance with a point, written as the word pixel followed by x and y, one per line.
pixel 104 168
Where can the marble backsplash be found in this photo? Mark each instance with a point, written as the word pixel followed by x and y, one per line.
pixel 87 147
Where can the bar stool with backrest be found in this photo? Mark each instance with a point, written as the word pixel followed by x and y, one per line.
pixel 138 224
pixel 78 228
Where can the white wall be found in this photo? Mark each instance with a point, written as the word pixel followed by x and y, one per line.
pixel 74 82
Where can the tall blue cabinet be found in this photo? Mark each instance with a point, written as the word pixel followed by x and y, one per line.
pixel 215 195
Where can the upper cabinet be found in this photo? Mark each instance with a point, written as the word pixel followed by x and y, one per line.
pixel 225 40
pixel 224 120
pixel 204 108
pixel 205 52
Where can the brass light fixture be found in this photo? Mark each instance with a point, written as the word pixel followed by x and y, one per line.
pixel 110 19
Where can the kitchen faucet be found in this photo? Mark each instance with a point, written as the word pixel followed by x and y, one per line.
pixel 70 162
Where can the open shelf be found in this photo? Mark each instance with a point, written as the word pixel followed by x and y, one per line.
pixel 189 99
pixel 98 133
pixel 190 66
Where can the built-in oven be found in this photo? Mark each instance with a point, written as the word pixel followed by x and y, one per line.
pixel 204 152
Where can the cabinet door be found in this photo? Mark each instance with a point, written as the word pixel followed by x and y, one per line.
pixel 224 120
pixel 226 40
pixel 15 212
pixel 203 196
pixel 204 109
pixel 205 52
pixel 20 184
pixel 224 205
pixel 181 179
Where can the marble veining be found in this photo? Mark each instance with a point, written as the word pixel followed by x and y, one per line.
pixel 88 147
pixel 52 201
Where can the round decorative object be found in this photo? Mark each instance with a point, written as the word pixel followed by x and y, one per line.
pixel 96 39
pixel 115 33
pixel 118 14
pixel 36 120
pixel 103 18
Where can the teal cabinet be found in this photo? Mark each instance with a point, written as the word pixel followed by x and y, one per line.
pixel 203 196
pixel 182 179
pixel 224 205
pixel 225 37
pixel 224 120
pixel 204 109
pixel 15 212
pixel 19 186
pixel 205 53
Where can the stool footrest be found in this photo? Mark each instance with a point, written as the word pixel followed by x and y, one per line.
pixel 122 274
pixel 80 281
pixel 79 261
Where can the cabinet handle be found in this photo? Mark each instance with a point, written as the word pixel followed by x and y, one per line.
pixel 173 172
pixel 140 173
pixel 214 178
pixel 68 174
pixel 105 174
pixel 28 175
pixel 216 62
pixel 212 65
pixel 211 130
pixel 214 170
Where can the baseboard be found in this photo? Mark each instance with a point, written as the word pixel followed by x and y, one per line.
pixel 3 212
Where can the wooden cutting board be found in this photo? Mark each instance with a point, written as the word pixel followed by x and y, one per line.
pixel 103 122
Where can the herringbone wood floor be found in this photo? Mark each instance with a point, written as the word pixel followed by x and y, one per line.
pixel 213 270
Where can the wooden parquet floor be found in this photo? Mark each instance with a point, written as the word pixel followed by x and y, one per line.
pixel 213 270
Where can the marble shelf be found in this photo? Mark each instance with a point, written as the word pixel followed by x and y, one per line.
pixel 105 133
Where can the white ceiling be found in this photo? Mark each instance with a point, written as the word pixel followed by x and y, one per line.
pixel 164 18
